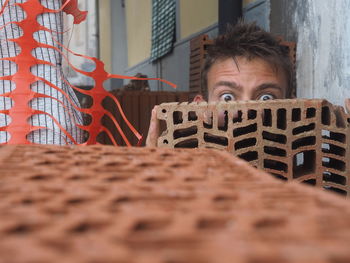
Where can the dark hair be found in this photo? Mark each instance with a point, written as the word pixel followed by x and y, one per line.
pixel 249 41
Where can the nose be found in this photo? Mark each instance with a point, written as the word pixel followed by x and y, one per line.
pixel 245 96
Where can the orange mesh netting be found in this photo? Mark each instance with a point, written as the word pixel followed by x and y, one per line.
pixel 19 127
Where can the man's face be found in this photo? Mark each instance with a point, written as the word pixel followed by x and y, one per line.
pixel 254 80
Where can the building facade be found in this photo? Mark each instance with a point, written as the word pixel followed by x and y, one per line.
pixel 320 30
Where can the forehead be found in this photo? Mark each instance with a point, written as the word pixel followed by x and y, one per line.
pixel 241 66
pixel 245 72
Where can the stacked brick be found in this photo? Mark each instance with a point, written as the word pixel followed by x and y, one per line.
pixel 109 204
pixel 198 47
pixel 303 140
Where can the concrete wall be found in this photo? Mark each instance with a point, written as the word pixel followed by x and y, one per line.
pixel 321 30
pixel 247 2
pixel 257 11
pixel 119 44
pixel 174 67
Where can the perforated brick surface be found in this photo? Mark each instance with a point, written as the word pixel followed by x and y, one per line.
pixel 303 140
pixel 107 204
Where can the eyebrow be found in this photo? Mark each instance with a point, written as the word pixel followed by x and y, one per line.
pixel 269 86
pixel 229 84
pixel 233 85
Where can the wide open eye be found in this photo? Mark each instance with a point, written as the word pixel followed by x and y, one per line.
pixel 266 97
pixel 227 97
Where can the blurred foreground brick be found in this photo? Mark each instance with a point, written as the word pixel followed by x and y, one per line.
pixel 107 204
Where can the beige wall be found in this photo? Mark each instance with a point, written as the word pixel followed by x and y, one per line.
pixel 138 28
pixel 196 15
pixel 246 2
pixel 105 33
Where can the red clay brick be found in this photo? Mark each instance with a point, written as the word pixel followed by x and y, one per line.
pixel 302 140
pixel 108 204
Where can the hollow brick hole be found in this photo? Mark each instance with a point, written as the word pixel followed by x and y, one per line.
pixel 339 120
pixel 76 201
pixel 238 117
pixel 274 137
pixel 325 116
pixel 334 178
pixel 177 117
pixel 334 136
pixel 212 223
pixel 275 165
pixel 220 140
pixel 296 114
pixel 304 163
pixel 223 126
pixel 333 163
pixel 333 149
pixel 189 143
pixel 252 114
pixel 268 223
pixel 150 225
pixel 186 132
pixel 117 178
pixel 310 113
pixel 192 116
pixel 224 198
pixel 275 151
pixel 304 141
pixel 249 156
pixel 21 228
pixel 267 118
pixel 279 176
pixel 86 226
pixel 245 130
pixel 245 143
pixel 303 128
pixel 335 190
pixel 40 177
pixel 281 119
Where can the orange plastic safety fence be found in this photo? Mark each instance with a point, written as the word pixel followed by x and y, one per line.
pixel 20 113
